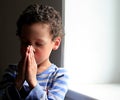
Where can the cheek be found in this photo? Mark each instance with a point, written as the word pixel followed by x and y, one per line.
pixel 38 54
pixel 42 54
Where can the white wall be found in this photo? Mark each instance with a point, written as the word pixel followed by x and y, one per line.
pixel 92 41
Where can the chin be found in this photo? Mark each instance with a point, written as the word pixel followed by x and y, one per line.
pixel 38 63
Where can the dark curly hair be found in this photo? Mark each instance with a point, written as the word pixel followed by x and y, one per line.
pixel 43 14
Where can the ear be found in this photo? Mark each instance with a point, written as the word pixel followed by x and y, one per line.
pixel 57 42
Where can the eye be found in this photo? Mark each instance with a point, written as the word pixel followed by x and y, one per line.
pixel 39 44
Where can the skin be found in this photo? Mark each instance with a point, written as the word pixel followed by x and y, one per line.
pixel 36 47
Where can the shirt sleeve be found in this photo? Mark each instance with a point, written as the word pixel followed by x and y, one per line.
pixel 37 93
pixel 7 87
pixel 56 92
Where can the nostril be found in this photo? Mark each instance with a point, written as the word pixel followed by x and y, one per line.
pixel 34 50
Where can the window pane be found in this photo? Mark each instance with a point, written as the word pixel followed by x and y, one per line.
pixel 90 40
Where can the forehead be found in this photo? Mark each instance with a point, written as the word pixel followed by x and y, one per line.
pixel 36 30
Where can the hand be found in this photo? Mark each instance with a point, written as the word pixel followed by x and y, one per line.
pixel 31 67
pixel 21 73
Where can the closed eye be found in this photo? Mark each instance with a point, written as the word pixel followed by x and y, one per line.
pixel 39 44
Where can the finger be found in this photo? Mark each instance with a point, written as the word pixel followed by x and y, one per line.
pixel 32 55
pixel 31 58
pixel 26 56
pixel 31 50
pixel 21 70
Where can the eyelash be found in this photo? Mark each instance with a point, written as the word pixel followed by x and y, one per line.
pixel 38 44
pixel 27 43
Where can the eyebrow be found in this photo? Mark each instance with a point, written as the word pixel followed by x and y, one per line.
pixel 41 40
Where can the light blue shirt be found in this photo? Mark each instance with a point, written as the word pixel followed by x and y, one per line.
pixel 52 85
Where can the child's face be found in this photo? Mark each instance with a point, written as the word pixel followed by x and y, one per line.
pixel 38 36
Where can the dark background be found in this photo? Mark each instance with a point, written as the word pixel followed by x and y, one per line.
pixel 9 42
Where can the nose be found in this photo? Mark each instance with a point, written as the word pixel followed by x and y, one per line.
pixel 33 48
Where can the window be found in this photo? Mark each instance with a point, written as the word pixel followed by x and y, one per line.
pixel 91 38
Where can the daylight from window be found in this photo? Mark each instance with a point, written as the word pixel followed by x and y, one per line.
pixel 90 40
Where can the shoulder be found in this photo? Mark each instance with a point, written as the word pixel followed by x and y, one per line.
pixel 10 72
pixel 60 73
pixel 12 69
pixel 60 79
pixel 8 76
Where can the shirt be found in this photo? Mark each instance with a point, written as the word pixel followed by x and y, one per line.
pixel 52 85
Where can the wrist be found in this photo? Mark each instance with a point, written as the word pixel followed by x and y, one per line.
pixel 18 84
pixel 33 84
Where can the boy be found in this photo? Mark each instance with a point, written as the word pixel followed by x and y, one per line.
pixel 35 77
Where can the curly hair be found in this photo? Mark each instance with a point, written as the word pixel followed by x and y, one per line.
pixel 43 14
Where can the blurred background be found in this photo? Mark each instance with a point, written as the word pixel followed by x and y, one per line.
pixel 9 42
pixel 92 47
pixel 92 40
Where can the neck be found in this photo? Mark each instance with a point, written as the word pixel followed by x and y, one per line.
pixel 44 66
